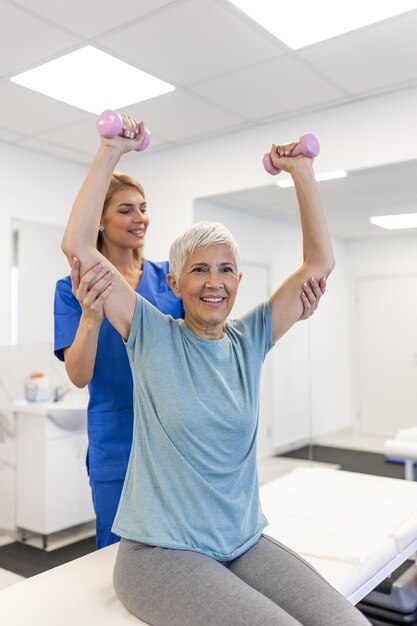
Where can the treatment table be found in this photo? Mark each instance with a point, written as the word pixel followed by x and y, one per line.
pixel 355 529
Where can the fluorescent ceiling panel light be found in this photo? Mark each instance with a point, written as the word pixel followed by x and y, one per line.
pixel 304 22
pixel 288 182
pixel 92 80
pixel 394 222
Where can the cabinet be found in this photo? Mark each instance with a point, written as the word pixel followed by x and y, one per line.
pixel 52 484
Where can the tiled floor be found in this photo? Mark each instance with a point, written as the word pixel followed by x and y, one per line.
pixel 268 469
pixel 274 467
pixel 55 541
pixel 7 578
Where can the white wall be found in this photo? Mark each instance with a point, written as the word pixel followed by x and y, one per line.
pixel 37 188
pixel 390 256
pixel 331 354
pixel 387 256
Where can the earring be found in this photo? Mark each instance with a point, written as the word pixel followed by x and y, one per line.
pixel 101 228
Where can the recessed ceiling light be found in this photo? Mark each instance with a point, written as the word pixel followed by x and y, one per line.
pixel 394 222
pixel 303 22
pixel 92 80
pixel 288 182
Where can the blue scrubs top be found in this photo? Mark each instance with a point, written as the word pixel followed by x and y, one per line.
pixel 110 408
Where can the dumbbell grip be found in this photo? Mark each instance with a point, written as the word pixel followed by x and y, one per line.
pixel 308 145
pixel 110 124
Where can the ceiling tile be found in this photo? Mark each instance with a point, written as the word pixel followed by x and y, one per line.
pixel 92 17
pixel 80 149
pixel 181 116
pixel 190 42
pixel 269 89
pixel 27 40
pixel 26 112
pixel 80 136
pixel 372 58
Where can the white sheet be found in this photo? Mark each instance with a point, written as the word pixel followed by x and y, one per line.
pixel 339 515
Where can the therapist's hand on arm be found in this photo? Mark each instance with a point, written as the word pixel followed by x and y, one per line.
pixel 91 291
pixel 310 296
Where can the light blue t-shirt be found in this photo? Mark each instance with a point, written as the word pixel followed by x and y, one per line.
pixel 192 481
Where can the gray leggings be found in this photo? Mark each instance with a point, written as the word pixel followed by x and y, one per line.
pixel 267 585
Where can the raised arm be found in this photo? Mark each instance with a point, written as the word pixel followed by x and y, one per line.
pixel 80 236
pixel 318 259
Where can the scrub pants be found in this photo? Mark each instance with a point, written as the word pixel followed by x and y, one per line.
pixel 106 495
pixel 267 585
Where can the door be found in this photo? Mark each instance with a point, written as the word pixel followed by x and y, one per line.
pixel 387 354
pixel 253 289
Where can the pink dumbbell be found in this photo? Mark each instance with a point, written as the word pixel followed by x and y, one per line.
pixel 110 124
pixel 309 146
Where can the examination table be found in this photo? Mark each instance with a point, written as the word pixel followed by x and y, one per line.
pixel 355 529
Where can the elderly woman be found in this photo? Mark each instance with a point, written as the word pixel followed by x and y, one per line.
pixel 193 550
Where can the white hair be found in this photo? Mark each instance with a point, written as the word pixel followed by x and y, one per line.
pixel 198 236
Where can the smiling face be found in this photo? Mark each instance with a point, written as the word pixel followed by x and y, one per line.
pixel 125 220
pixel 207 286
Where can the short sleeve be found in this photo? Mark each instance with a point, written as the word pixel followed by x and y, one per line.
pixel 256 328
pixel 149 327
pixel 67 313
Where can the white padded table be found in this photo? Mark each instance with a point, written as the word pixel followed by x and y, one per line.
pixel 355 529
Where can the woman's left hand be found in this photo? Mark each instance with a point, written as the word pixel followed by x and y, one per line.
pixel 310 296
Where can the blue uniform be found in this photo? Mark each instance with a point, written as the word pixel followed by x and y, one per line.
pixel 110 408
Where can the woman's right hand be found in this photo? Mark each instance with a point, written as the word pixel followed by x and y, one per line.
pixel 134 135
pixel 91 290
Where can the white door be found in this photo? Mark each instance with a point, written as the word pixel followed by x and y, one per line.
pixel 387 354
pixel 254 289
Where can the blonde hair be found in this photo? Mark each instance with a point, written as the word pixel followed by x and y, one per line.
pixel 118 181
pixel 198 236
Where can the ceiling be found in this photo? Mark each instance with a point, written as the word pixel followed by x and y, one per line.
pixel 220 62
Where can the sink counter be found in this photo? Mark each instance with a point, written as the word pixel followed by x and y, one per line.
pixel 66 415
pixel 53 491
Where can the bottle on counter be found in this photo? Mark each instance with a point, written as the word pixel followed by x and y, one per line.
pixel 37 388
